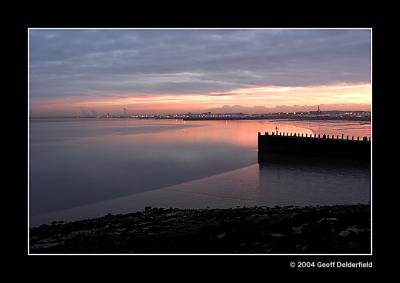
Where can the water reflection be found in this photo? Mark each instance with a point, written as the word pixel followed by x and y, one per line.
pixel 301 180
pixel 83 163
pixel 309 182
pixel 240 133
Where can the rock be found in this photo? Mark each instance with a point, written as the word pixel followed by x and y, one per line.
pixel 277 235
pixel 344 233
pixel 349 230
pixel 196 230
pixel 44 246
pixel 354 229
pixel 298 229
pixel 327 220
pixel 221 235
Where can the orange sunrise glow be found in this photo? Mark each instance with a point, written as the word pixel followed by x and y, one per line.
pixel 268 96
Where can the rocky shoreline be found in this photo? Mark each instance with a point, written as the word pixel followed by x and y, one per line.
pixel 289 229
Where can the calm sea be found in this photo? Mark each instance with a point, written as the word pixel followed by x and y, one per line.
pixel 82 168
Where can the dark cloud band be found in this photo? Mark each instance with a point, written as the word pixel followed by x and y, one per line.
pixel 67 63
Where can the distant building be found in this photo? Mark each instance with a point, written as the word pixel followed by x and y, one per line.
pixel 316 112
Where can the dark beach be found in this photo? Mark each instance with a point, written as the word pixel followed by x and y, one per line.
pixel 287 230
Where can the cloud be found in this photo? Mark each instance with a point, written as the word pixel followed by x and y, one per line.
pixel 67 63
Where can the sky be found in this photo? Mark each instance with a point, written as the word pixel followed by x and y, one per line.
pixel 72 72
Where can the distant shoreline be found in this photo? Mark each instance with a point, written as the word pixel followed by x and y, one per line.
pixel 364 119
pixel 283 118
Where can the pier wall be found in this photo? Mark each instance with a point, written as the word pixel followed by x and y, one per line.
pixel 314 145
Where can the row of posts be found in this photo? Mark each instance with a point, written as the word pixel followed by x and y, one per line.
pixel 315 136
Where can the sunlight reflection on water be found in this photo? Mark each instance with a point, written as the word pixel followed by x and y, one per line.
pixel 79 163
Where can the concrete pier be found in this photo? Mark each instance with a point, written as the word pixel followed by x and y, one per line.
pixel 309 145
